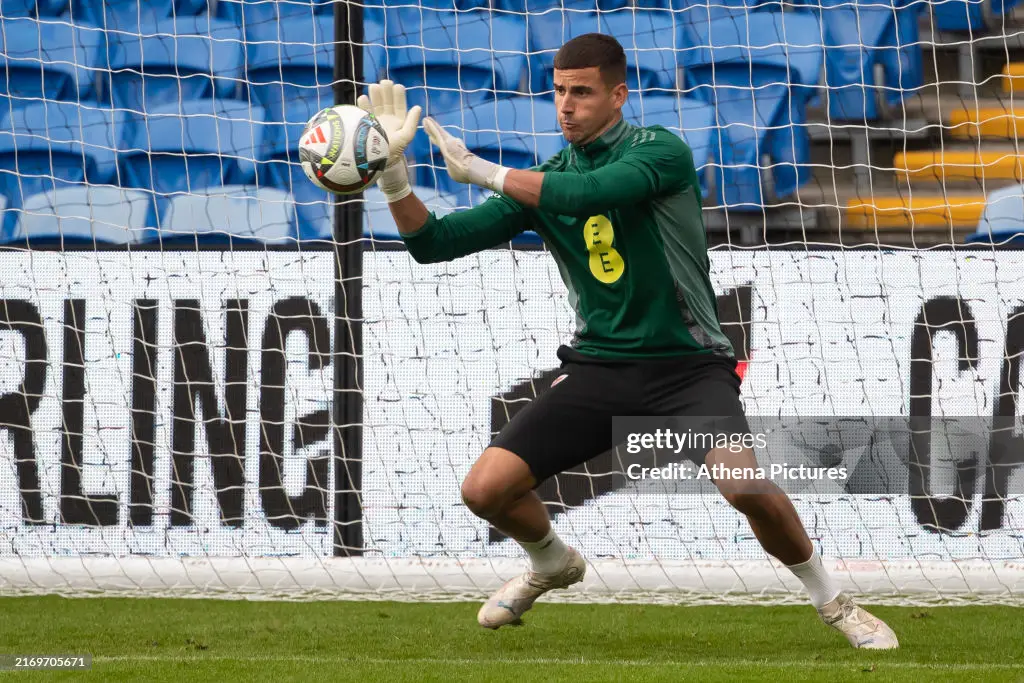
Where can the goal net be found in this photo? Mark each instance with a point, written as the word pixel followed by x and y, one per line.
pixel 216 382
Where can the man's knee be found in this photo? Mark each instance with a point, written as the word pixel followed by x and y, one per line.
pixel 497 479
pixel 482 501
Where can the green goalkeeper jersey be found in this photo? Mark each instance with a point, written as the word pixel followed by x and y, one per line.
pixel 622 219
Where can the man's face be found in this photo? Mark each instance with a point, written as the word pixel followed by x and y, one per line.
pixel 586 105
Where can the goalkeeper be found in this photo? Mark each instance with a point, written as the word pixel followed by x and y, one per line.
pixel 620 212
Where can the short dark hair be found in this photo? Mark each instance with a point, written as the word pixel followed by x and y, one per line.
pixel 594 49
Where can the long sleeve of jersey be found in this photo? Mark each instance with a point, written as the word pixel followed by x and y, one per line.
pixel 657 162
pixel 487 225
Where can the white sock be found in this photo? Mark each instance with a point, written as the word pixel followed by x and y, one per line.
pixel 547 556
pixel 821 588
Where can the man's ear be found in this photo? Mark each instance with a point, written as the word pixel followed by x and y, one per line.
pixel 619 93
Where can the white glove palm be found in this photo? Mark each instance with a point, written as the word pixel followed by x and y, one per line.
pixel 463 165
pixel 387 102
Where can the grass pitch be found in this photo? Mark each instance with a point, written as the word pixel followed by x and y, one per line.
pixel 174 640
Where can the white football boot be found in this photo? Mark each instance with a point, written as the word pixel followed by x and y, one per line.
pixel 509 603
pixel 860 627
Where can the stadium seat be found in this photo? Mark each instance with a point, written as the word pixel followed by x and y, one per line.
pixel 692 17
pixel 520 132
pixel 257 14
pixel 1013 77
pixel 95 214
pixel 377 7
pixel 174 60
pixel 48 145
pixel 955 165
pixel 231 212
pixel 859 35
pixel 539 6
pixel 648 37
pixel 291 61
pixel 32 8
pixel 1002 222
pixel 18 8
pixel 375 56
pixel 378 224
pixel 920 211
pixel 281 169
pixel 194 144
pixel 759 82
pixel 970 15
pixel 449 61
pixel 131 16
pixel 693 120
pixel 973 121
pixel 547 32
pixel 48 59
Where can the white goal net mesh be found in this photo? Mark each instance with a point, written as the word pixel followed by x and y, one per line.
pixel 181 412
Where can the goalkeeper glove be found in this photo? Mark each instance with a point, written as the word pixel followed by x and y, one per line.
pixel 463 165
pixel 387 102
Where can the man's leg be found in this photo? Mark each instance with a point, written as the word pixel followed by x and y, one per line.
pixel 769 510
pixel 778 528
pixel 499 488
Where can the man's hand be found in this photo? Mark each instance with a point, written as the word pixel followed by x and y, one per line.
pixel 463 165
pixel 387 103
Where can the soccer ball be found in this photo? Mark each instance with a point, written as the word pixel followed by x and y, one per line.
pixel 343 149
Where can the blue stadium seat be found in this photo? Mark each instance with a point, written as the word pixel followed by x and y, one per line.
pixel 693 120
pixel 229 213
pixel 858 35
pixel 18 8
pixel 1002 222
pixel 451 60
pixel 538 6
pixel 375 56
pixel 758 71
pixel 281 169
pixel 254 14
pixel 32 8
pixel 291 61
pixel 132 15
pixel 193 144
pixel 376 8
pixel 520 132
pixel 174 60
pixel 51 8
pixel 85 215
pixel 969 15
pixel 547 32
pixel 56 144
pixel 378 224
pixel 693 16
pixel 48 59
pixel 648 37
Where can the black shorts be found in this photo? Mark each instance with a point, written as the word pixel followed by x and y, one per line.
pixel 571 421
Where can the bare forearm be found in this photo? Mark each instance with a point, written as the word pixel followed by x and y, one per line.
pixel 410 214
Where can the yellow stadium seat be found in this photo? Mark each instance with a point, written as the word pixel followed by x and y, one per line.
pixel 952 165
pixel 1013 77
pixel 919 211
pixel 996 122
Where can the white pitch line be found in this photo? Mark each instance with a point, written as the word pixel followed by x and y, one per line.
pixel 703 663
